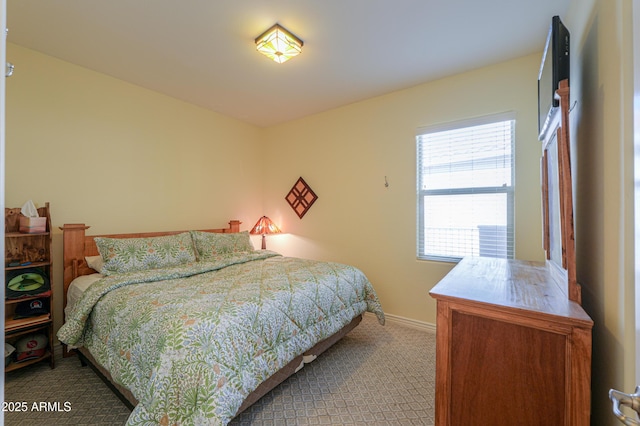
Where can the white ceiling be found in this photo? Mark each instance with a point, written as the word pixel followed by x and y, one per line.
pixel 203 51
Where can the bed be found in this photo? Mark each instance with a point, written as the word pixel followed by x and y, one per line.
pixel 192 327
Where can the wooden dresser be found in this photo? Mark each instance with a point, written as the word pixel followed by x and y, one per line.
pixel 511 347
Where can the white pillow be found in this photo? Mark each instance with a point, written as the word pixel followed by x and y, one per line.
pixel 95 262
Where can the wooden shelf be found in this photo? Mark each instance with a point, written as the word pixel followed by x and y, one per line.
pixel 17 365
pixel 17 324
pixel 31 265
pixel 25 234
pixel 23 299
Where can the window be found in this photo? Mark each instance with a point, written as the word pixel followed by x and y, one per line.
pixel 465 189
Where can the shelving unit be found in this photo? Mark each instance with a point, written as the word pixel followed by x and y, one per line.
pixel 29 251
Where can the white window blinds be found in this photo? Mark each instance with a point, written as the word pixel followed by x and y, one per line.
pixel 465 189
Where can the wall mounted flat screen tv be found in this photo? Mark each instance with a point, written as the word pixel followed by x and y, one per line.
pixel 553 69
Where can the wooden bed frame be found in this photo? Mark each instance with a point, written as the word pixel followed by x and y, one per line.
pixel 77 245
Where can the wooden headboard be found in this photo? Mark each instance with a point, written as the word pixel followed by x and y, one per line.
pixel 77 245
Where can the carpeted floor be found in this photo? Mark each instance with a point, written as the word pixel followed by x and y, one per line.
pixel 375 375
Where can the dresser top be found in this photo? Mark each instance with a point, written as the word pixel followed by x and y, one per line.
pixel 514 285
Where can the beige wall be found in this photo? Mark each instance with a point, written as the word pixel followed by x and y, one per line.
pixel 602 89
pixel 345 154
pixel 121 158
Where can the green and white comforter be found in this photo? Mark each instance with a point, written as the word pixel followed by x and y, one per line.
pixel 191 342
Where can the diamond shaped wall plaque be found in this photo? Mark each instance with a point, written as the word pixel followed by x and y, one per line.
pixel 301 197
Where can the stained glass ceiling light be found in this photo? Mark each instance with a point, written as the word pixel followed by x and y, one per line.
pixel 278 44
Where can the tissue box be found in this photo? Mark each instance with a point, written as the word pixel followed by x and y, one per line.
pixel 33 225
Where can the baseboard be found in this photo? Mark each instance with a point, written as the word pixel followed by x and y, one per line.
pixel 420 325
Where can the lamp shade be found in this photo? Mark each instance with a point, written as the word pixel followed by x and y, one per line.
pixel 278 44
pixel 264 226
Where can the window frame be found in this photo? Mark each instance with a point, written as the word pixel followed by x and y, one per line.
pixel 506 189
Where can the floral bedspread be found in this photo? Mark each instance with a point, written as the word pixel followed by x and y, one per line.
pixel 191 342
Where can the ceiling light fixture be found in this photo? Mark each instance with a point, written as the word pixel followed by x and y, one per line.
pixel 279 44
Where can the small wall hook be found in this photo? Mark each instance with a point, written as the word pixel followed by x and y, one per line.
pixel 9 70
pixel 386 182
